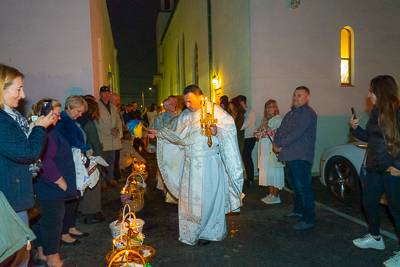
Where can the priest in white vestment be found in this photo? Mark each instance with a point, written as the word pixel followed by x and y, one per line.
pixel 210 179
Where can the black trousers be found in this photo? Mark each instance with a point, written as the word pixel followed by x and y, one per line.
pixel 246 157
pixel 375 185
pixel 116 173
pixel 49 227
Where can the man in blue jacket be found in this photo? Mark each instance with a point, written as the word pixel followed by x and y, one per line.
pixel 295 142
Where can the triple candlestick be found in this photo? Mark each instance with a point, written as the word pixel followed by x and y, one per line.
pixel 206 119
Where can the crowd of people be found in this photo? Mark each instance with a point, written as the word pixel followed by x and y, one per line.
pixel 206 173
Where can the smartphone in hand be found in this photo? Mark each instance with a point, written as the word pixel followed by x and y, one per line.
pixel 46 107
pixel 353 111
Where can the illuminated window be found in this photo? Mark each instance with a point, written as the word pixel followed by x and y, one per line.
pixel 196 65
pixel 347 60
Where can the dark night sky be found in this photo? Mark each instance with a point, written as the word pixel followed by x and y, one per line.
pixel 133 25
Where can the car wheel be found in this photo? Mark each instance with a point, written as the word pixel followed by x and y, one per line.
pixel 342 180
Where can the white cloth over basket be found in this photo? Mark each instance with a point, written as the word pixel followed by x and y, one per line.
pixel 119 229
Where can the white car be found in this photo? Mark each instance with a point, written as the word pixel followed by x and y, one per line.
pixel 340 171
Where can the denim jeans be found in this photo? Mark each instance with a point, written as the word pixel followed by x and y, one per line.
pixel 246 157
pixel 374 186
pixel 298 173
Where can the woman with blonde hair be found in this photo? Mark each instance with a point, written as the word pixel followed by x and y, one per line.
pixel 382 161
pixel 271 172
pixel 55 187
pixel 20 146
pixel 71 130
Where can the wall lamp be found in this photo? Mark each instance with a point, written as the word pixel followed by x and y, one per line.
pixel 216 82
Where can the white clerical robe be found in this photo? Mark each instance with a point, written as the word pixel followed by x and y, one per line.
pixel 210 180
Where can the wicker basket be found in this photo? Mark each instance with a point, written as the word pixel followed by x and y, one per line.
pixel 136 189
pixel 117 230
pixel 117 258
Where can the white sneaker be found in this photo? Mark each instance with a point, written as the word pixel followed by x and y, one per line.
pixel 394 261
pixel 266 198
pixel 273 200
pixel 369 242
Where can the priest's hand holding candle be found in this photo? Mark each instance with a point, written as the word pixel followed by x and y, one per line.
pixel 213 128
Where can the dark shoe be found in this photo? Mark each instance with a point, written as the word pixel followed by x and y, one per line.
pixel 303 225
pixel 93 220
pixel 65 264
pixel 40 263
pixel 112 183
pixel 293 215
pixel 79 236
pixel 105 188
pixel 249 184
pixel 203 242
pixel 99 216
pixel 76 242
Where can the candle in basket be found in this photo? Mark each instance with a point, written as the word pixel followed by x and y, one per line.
pixel 127 262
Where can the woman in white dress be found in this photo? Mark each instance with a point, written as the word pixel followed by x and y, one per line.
pixel 270 169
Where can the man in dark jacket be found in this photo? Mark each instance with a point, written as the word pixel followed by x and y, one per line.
pixel 295 142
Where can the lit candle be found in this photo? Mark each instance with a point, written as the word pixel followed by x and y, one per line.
pixel 212 110
pixel 201 110
pixel 127 262
pixel 205 108
pixel 113 248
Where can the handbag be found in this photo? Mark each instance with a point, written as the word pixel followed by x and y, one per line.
pixel 14 233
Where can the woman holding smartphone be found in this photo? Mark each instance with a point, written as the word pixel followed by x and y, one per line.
pixel 383 160
pixel 20 146
pixel 55 186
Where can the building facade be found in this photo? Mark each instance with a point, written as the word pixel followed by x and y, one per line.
pixel 62 47
pixel 265 49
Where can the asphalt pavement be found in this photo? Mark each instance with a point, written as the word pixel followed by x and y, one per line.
pixel 259 236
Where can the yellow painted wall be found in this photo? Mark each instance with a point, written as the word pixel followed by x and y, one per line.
pixel 104 55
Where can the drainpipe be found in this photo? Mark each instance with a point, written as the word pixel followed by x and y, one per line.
pixel 210 47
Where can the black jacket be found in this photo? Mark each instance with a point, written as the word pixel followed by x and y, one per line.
pixel 378 158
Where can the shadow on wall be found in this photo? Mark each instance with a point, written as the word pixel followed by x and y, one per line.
pixel 74 91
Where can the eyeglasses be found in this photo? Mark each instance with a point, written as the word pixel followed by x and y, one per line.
pixel 58 115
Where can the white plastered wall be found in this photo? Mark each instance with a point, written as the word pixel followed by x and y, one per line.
pixel 292 47
pixel 190 19
pixel 50 42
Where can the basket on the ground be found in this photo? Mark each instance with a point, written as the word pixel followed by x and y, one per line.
pixel 133 193
pixel 143 255
pixel 119 227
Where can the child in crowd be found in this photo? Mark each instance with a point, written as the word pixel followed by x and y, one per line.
pixel 128 153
